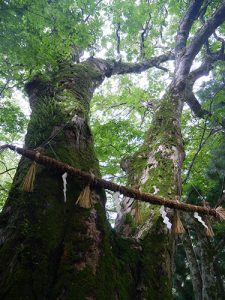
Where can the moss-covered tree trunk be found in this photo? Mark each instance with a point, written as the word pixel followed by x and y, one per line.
pixel 49 248
pixel 52 249
pixel 156 168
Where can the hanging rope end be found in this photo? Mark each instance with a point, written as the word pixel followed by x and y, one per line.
pixel 177 226
pixel 137 213
pixel 28 183
pixel 220 211
pixel 84 199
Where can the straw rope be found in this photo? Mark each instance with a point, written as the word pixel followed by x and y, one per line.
pixel 99 182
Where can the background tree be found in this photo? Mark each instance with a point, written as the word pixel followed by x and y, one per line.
pixel 56 250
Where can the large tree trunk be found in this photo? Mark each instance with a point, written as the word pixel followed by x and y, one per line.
pixel 51 249
pixel 156 168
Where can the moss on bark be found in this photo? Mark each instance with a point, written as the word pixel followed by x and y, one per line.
pixel 56 250
pixel 51 249
pixel 155 168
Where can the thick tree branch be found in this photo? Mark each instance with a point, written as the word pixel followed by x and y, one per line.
pixel 108 67
pixel 206 66
pixel 125 68
pixel 186 54
pixel 202 36
pixel 186 24
pixel 203 70
pixel 194 105
pixel 162 68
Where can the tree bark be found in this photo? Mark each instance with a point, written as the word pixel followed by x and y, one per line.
pixel 205 274
pixel 52 249
pixel 56 250
pixel 156 168
pixel 193 265
pixel 210 286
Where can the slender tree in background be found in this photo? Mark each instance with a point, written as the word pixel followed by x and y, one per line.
pixel 54 249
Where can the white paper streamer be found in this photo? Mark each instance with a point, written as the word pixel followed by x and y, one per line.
pixel 64 176
pixel 116 199
pixel 196 215
pixel 165 218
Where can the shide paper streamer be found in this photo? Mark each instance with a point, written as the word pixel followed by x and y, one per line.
pixel 64 176
pixel 196 216
pixel 165 218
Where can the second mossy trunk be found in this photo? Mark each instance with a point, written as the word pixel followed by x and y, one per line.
pixel 156 168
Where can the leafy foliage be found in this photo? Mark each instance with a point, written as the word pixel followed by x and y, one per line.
pixel 8 164
pixel 12 121
pixel 121 114
pixel 35 35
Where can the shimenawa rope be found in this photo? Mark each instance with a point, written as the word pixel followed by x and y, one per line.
pixel 219 212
